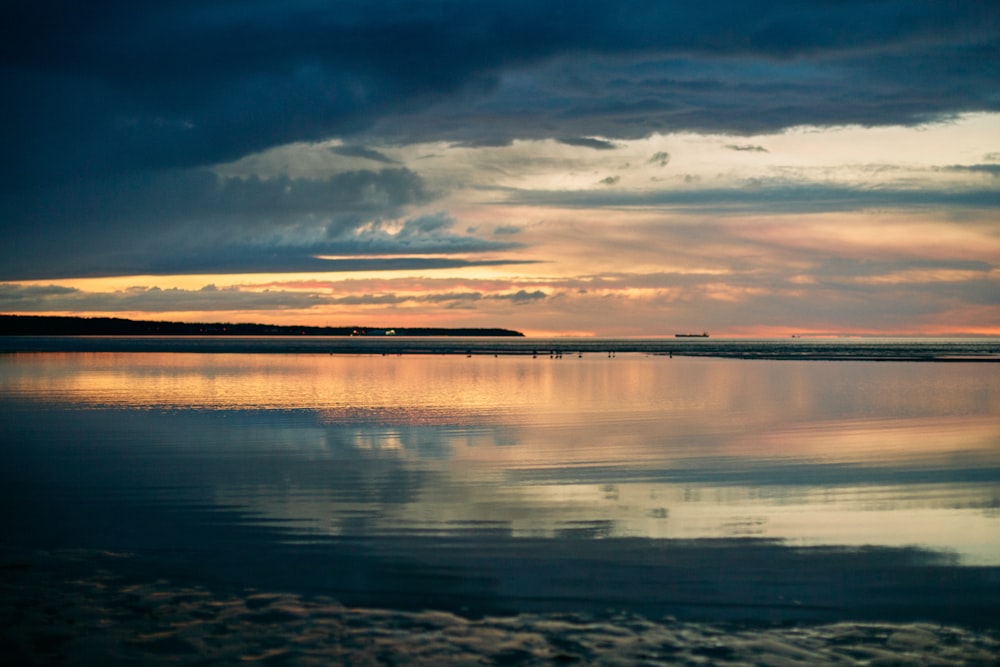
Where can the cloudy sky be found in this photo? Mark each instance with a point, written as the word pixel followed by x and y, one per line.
pixel 590 168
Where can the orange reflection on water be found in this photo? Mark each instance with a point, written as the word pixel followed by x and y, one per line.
pixel 579 410
pixel 410 389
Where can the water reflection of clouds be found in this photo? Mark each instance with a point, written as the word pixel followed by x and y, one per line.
pixel 947 517
pixel 810 453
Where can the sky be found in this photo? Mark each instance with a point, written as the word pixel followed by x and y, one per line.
pixel 558 168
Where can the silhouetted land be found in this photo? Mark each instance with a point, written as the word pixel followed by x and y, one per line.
pixel 43 325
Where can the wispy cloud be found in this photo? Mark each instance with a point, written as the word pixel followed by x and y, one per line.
pixel 990 169
pixel 54 298
pixel 586 142
pixel 661 158
pixel 28 298
pixel 363 152
pixel 758 197
pixel 746 148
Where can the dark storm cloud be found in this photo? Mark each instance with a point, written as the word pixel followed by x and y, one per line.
pixel 739 68
pixel 107 86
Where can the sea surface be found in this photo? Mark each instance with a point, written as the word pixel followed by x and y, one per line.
pixel 504 501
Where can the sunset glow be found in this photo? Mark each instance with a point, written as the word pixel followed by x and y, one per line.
pixel 652 176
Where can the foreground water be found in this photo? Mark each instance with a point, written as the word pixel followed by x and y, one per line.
pixel 509 500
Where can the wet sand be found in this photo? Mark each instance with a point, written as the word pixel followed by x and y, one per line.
pixel 80 608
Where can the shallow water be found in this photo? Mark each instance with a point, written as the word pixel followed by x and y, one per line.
pixel 56 609
pixel 709 490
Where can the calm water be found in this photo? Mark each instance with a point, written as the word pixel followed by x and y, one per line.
pixel 946 349
pixel 709 489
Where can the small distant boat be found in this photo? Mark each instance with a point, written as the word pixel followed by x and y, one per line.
pixel 703 334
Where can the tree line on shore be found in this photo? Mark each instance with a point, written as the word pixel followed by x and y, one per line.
pixel 55 325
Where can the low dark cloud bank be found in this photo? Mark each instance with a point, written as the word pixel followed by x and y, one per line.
pixel 192 221
pixel 105 102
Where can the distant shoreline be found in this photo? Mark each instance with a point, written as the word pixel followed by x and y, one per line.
pixel 484 342
pixel 49 325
